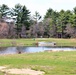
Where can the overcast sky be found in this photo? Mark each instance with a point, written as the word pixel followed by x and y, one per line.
pixel 42 5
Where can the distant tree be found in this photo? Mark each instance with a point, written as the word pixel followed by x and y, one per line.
pixel 4 10
pixel 4 29
pixel 34 28
pixel 49 13
pixel 69 31
pixel 47 27
pixel 12 31
pixel 25 18
pixel 41 30
pixel 38 30
pixel 17 12
pixel 22 17
pixel 36 17
pixel 52 15
pixel 74 10
pixel 61 24
pixel 73 22
pixel 23 32
pixel 0 15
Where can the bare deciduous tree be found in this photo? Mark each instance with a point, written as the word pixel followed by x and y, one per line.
pixel 23 31
pixel 4 29
pixel 12 31
pixel 70 31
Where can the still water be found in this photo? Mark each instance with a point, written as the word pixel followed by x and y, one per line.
pixel 15 50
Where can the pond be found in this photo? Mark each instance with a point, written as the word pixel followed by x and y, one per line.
pixel 16 50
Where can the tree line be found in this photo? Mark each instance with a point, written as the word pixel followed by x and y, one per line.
pixel 55 24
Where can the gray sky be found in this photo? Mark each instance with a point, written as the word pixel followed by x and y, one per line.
pixel 42 5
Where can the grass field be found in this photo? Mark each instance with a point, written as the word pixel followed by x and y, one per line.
pixel 31 42
pixel 52 63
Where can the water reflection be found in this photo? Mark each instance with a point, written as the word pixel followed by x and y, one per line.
pixel 19 50
pixel 8 50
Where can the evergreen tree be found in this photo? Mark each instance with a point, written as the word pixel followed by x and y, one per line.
pixel 3 10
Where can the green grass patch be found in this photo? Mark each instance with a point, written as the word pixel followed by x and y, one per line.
pixel 32 42
pixel 52 63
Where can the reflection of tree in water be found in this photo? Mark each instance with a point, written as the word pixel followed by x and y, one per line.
pixel 20 50
pixel 3 48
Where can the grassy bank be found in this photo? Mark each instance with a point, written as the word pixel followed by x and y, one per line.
pixel 52 63
pixel 31 42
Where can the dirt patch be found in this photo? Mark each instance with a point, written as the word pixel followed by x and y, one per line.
pixel 24 71
pixel 21 71
pixel 2 67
